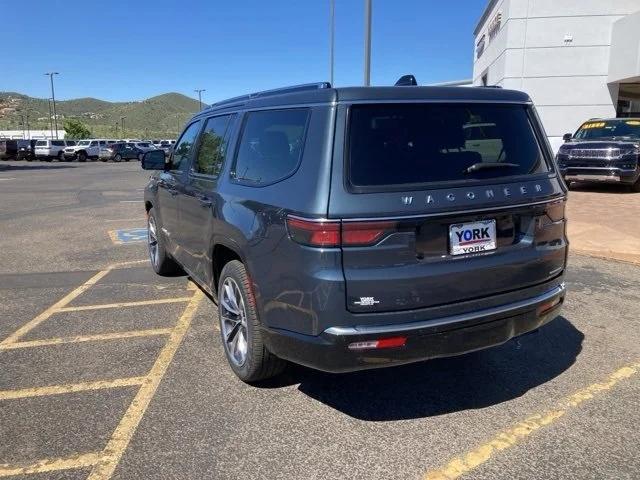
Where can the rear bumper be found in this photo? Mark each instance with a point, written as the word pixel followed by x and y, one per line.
pixel 440 337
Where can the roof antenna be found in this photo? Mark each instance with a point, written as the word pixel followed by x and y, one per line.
pixel 407 81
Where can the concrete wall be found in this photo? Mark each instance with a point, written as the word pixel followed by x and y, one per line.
pixel 558 51
pixel 624 62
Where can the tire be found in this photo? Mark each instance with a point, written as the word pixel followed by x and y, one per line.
pixel 60 156
pixel 117 158
pixel 82 157
pixel 140 155
pixel 635 187
pixel 240 330
pixel 161 262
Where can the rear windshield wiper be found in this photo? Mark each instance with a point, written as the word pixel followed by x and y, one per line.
pixel 486 165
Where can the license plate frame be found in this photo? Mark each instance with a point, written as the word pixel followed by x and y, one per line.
pixel 472 237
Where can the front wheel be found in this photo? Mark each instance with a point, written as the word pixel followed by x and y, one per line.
pixel 117 158
pixel 161 262
pixel 635 187
pixel 82 157
pixel 244 346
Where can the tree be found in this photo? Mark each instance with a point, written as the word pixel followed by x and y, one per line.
pixel 76 129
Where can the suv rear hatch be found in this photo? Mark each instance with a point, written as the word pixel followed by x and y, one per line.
pixel 443 202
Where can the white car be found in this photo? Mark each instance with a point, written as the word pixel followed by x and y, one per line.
pixel 85 150
pixel 47 150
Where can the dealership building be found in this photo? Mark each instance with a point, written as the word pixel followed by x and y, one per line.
pixel 577 59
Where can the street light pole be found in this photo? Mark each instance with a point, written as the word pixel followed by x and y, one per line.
pixel 50 118
pixel 53 97
pixel 200 90
pixel 122 124
pixel 367 43
pixel 332 28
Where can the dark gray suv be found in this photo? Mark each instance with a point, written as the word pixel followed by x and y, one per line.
pixel 365 227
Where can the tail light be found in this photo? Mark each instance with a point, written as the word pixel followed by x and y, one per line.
pixel 335 233
pixel 315 233
pixel 365 233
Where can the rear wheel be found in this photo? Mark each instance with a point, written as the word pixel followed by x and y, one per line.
pixel 60 156
pixel 161 262
pixel 244 346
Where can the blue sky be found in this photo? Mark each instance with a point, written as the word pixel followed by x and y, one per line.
pixel 131 50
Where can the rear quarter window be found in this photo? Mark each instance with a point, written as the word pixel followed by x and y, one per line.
pixel 413 144
pixel 271 146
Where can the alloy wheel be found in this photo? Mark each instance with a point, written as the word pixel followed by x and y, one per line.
pixel 233 322
pixel 152 236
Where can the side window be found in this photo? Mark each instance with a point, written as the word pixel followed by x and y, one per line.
pixel 180 156
pixel 212 147
pixel 271 145
pixel 93 144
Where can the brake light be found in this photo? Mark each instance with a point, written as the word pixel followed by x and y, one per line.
pixel 392 342
pixel 334 233
pixel 315 233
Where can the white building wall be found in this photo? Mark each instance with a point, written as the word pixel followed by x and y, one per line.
pixel 558 51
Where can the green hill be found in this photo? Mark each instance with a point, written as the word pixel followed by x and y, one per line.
pixel 159 117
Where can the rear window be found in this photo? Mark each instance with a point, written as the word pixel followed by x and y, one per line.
pixel 270 146
pixel 400 144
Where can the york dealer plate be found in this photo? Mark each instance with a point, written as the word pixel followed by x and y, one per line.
pixel 472 237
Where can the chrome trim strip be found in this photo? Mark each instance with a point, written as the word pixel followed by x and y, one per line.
pixel 456 212
pixel 605 169
pixel 436 322
pixel 600 178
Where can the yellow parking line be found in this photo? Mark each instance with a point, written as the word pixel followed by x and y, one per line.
pixel 468 462
pixel 86 338
pixel 70 388
pixel 124 431
pixel 124 304
pixel 51 465
pixel 53 308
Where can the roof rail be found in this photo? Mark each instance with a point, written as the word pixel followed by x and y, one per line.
pixel 268 93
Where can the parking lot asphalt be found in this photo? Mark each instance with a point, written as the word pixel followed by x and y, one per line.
pixel 109 371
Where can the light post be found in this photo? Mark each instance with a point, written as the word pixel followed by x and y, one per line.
pixel 53 97
pixel 200 90
pixel 122 125
pixel 50 118
pixel 367 43
pixel 332 28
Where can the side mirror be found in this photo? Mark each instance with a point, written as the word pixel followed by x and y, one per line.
pixel 153 160
pixel 567 136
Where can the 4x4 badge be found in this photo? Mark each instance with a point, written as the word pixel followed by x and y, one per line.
pixel 407 200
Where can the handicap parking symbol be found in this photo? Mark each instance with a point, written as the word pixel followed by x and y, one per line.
pixel 128 235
